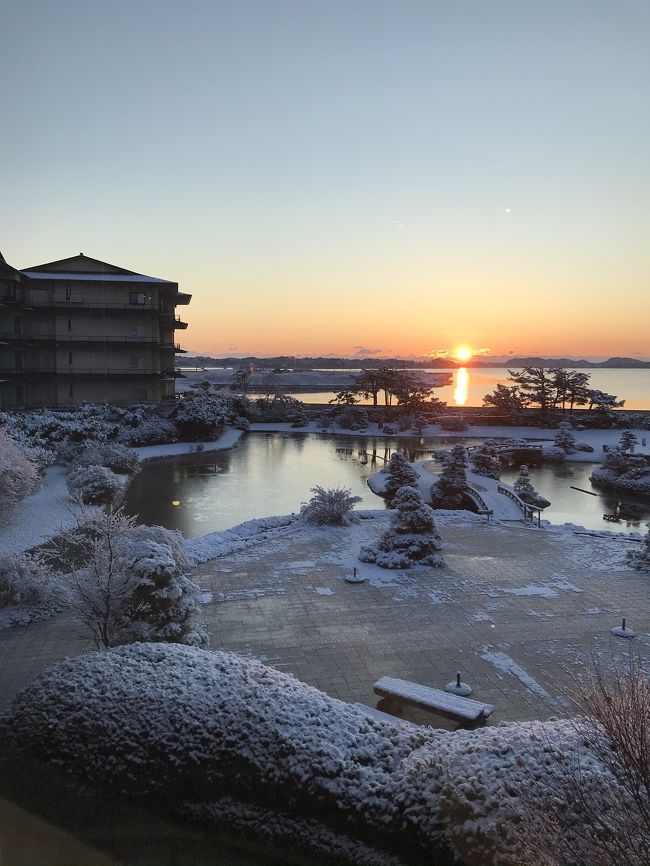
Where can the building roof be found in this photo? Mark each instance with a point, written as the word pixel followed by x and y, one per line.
pixel 107 278
pixel 83 267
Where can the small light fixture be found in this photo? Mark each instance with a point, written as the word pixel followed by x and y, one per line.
pixel 176 502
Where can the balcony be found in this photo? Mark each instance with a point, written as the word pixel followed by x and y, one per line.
pixel 179 325
pixel 85 338
pixel 78 302
pixel 28 370
pixel 182 298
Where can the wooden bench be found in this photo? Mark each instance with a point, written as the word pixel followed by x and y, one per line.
pixel 454 707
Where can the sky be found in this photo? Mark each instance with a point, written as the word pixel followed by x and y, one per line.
pixel 353 177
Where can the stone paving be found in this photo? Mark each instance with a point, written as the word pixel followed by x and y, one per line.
pixel 517 611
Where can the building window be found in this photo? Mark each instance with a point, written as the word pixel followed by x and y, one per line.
pixel 140 395
pixel 69 357
pixel 69 325
pixel 20 395
pixel 137 298
pixel 70 391
pixel 135 362
pixel 68 291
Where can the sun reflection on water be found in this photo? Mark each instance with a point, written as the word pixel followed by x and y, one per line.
pixel 461 386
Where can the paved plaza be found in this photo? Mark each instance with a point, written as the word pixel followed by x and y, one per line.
pixel 518 611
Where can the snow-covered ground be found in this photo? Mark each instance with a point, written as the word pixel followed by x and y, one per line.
pixel 228 439
pixel 47 511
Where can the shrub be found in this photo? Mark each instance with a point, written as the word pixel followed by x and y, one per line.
pixel 113 456
pixel 486 461
pixel 133 583
pixel 448 490
pixel 640 559
pixel 18 471
pixel 24 580
pixel 203 416
pixel 400 474
pixel 565 439
pixel 332 506
pixel 526 492
pixel 412 538
pixel 94 485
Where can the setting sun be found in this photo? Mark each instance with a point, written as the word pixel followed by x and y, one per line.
pixel 463 353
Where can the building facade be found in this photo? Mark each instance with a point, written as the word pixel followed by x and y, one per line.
pixel 81 330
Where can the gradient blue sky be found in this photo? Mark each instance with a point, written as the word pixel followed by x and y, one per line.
pixel 323 176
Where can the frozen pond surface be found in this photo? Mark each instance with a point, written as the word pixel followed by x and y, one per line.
pixel 272 473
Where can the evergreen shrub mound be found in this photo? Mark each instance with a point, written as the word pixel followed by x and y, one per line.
pixel 188 730
pixel 94 485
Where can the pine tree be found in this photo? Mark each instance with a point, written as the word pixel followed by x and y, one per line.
pixel 627 441
pixel 485 460
pixel 412 538
pixel 565 439
pixel 524 489
pixel 448 490
pixel 400 474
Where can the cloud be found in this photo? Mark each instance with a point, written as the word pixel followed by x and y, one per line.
pixel 365 352
pixel 449 353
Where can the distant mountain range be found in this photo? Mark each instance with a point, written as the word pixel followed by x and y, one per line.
pixel 289 362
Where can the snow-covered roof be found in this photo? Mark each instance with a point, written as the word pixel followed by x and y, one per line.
pixel 87 277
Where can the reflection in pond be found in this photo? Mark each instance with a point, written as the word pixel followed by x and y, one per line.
pixel 461 387
pixel 273 473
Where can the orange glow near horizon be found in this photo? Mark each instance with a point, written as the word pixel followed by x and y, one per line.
pixel 461 386
pixel 463 353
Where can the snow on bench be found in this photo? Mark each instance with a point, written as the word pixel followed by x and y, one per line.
pixel 425 698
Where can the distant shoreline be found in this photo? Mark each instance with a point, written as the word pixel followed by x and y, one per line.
pixel 289 363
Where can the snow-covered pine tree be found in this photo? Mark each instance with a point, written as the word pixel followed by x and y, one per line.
pixel 627 441
pixel 412 538
pixel 400 474
pixel 524 489
pixel 565 439
pixel 485 460
pixel 447 491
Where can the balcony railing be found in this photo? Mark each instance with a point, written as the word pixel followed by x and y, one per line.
pixel 29 370
pixel 79 302
pixel 88 338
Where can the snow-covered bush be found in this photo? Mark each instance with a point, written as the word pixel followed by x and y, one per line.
pixel 485 460
pixel 25 582
pixel 412 538
pixel 400 474
pixel 132 584
pixel 447 491
pixel 118 458
pixel 172 725
pixel 640 559
pixel 623 471
pixel 524 489
pixel 332 506
pixel 553 454
pixel 18 471
pixel 94 485
pixel 203 416
pixel 565 439
pixel 147 431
